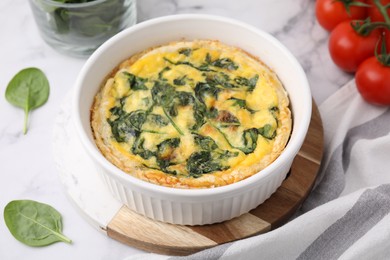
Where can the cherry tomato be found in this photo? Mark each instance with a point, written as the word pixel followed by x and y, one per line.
pixel 348 49
pixel 373 81
pixel 330 13
pixel 374 13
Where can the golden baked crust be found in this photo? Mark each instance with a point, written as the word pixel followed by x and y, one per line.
pixel 191 114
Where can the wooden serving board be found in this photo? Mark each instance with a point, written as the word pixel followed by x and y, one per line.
pixel 135 230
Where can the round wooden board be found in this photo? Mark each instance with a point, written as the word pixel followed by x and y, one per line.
pixel 153 236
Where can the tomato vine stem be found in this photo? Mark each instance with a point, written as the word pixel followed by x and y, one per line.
pixel 383 10
pixel 365 27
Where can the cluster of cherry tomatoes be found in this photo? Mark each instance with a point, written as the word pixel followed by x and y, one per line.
pixel 359 43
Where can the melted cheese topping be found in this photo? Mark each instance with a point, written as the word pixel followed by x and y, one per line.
pixel 192 114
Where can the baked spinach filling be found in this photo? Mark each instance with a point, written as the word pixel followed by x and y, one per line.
pixel 208 157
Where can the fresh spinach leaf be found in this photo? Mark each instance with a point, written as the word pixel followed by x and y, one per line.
pixel 74 1
pixel 61 19
pixel 28 89
pixel 34 223
pixel 98 21
pixel 135 82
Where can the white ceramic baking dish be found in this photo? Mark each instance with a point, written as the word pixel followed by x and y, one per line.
pixel 193 206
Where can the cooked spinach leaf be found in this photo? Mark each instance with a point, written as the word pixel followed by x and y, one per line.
pixel 224 154
pixel 249 137
pixel 146 101
pixel 274 109
pixel 220 79
pixel 163 94
pixel 242 104
pixel 161 73
pixel 212 113
pixel 202 89
pixel 135 82
pixel 275 113
pixel 200 68
pixel 205 142
pixel 202 162
pixel 164 154
pixel 185 51
pixel 125 125
pixel 122 129
pixel 165 148
pixel 117 111
pixel 225 63
pixel 184 98
pixel 180 81
pixel 158 120
pixel 199 115
pixel 137 118
pixel 250 83
pixel 267 131
pixel 208 58
pixel 138 148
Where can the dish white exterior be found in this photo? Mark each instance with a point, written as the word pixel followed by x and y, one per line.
pixel 193 206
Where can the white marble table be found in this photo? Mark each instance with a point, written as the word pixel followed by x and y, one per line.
pixel 27 168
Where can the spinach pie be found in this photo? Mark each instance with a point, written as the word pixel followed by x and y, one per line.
pixel 191 114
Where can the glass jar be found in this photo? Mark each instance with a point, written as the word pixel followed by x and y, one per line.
pixel 77 29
